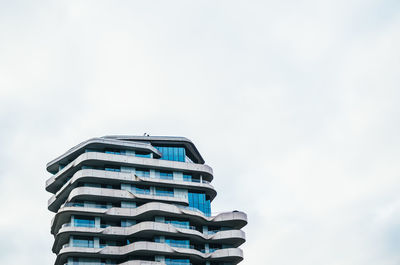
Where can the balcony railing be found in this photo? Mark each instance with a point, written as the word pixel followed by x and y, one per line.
pixel 192 209
pixel 84 225
pixel 178 245
pixel 177 263
pixel 182 226
pixel 79 245
pixel 210 250
pixel 155 193
pixel 74 204
pixel 171 178
pixel 196 180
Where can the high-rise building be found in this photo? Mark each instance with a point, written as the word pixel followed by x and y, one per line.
pixel 139 200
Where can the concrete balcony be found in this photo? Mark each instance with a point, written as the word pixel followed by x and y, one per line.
pixel 114 195
pixel 151 248
pixel 149 230
pixel 234 219
pixel 110 177
pixel 54 183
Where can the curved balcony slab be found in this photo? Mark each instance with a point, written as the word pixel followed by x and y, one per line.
pixel 72 153
pixel 110 177
pixel 88 193
pixel 234 219
pixel 55 182
pixel 193 153
pixel 150 248
pixel 149 230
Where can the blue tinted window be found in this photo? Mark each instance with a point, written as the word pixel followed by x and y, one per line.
pixel 187 177
pixel 143 172
pixel 164 192
pixel 83 242
pixel 172 153
pixel 182 224
pixel 112 168
pixel 142 190
pixel 112 151
pixel 198 201
pixel 84 222
pixel 142 154
pixel 169 261
pixel 178 243
pixel 166 175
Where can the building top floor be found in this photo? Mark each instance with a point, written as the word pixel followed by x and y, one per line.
pixel 158 147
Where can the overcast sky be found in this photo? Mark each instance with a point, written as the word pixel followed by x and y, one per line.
pixel 295 105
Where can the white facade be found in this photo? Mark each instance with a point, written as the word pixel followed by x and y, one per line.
pixel 134 200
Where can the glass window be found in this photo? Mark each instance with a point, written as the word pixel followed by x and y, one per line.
pixel 142 154
pixel 181 224
pixel 187 177
pixel 84 222
pixel 172 153
pixel 160 191
pixel 112 168
pixel 178 243
pixel 143 173
pixel 198 201
pixel 83 242
pixel 112 151
pixel 141 190
pixel 166 175
pixel 170 261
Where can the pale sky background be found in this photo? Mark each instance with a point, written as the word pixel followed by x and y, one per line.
pixel 295 105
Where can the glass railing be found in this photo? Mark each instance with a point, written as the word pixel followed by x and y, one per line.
pixel 167 177
pixel 141 191
pixel 84 245
pixel 177 263
pixel 191 227
pixel 182 225
pixel 154 193
pixel 72 204
pixel 164 193
pixel 89 244
pixel 113 152
pixel 112 169
pixel 179 245
pixel 172 178
pixel 83 225
pixel 210 250
pixel 147 175
pixel 192 209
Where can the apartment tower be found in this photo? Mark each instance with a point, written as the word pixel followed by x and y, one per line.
pixel 139 200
